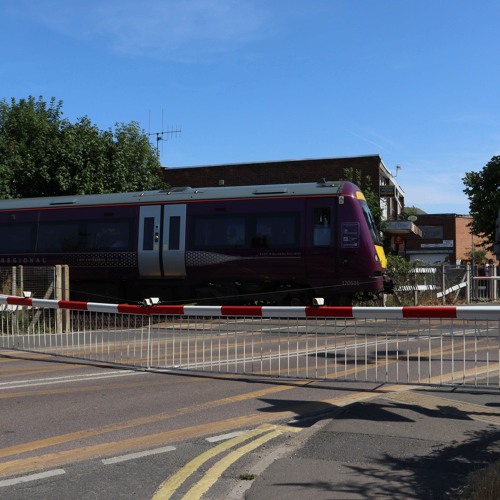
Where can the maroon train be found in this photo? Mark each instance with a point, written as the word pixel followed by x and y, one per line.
pixel 275 244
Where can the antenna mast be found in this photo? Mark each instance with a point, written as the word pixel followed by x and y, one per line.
pixel 160 136
pixel 173 132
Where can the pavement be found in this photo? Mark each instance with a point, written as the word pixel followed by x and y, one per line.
pixel 419 443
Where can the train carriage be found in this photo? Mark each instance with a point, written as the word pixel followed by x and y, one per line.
pixel 277 244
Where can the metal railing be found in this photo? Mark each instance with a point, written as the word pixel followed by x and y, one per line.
pixel 49 282
pixel 445 284
pixel 410 345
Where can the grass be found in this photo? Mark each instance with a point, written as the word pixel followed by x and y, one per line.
pixel 247 477
pixel 483 484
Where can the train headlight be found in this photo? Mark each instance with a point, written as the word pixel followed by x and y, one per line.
pixel 376 257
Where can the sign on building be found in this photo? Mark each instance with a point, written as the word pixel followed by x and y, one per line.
pixel 387 191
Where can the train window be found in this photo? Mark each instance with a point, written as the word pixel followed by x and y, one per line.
pixel 109 235
pixel 149 233
pixel 371 223
pixel 174 236
pixel 261 231
pixel 274 231
pixel 219 231
pixel 80 236
pixel 18 237
pixel 322 226
pixel 58 237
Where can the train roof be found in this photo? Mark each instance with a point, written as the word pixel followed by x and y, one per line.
pixel 184 194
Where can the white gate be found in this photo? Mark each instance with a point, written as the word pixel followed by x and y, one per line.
pixel 410 345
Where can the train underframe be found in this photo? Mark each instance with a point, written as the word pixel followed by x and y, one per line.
pixel 221 292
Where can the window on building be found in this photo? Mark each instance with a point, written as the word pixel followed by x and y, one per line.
pixel 432 232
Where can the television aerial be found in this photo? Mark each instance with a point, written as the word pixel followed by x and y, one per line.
pixel 163 135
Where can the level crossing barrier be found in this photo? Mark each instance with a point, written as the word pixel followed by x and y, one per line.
pixel 440 345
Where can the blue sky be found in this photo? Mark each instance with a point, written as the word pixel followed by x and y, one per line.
pixel 415 81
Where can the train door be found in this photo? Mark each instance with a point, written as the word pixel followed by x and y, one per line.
pixel 321 237
pixel 174 237
pixel 149 241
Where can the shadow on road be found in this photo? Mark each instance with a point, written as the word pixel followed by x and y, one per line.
pixel 372 460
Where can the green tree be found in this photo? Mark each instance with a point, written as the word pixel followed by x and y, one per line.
pixel 477 257
pixel 42 154
pixel 29 133
pixel 398 269
pixel 411 210
pixel 483 191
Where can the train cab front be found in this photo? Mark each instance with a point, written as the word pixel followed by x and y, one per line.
pixel 387 280
pixel 379 256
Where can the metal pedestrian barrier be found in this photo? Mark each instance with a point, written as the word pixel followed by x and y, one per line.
pixel 442 345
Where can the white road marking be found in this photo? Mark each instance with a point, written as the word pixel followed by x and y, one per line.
pixel 140 454
pixel 64 380
pixel 32 477
pixel 223 437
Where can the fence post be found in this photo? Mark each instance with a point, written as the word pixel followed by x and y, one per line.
pixel 494 285
pixel 20 279
pixel 469 284
pixel 65 296
pixel 415 292
pixel 443 281
pixel 13 282
pixel 57 296
pixel 61 292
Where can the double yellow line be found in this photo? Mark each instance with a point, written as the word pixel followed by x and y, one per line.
pixel 57 458
pixel 262 434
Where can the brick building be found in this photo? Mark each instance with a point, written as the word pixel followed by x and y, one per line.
pixel 290 171
pixel 443 235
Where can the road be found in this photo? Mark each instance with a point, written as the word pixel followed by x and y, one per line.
pixel 71 429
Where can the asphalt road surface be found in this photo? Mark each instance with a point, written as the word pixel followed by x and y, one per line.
pixel 90 431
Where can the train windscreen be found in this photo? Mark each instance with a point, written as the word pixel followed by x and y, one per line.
pixel 370 222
